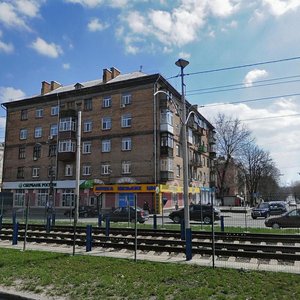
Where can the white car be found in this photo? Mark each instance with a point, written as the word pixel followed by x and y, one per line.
pixel 292 203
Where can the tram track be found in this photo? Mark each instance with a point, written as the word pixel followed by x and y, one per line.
pixel 263 246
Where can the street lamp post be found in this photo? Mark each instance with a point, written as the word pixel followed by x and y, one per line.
pixel 188 236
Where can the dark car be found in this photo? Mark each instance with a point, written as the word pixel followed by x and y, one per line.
pixel 198 212
pixel 126 214
pixel 84 212
pixel 289 219
pixel 266 209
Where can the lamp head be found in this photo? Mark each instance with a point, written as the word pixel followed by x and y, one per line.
pixel 182 63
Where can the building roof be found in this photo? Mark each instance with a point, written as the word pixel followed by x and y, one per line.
pixel 96 82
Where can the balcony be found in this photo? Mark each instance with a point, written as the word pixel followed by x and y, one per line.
pixel 66 156
pixel 202 149
pixel 166 151
pixel 196 163
pixel 166 176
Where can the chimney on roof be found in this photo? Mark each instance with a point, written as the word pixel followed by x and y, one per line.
pixel 55 85
pixel 114 72
pixel 107 75
pixel 46 88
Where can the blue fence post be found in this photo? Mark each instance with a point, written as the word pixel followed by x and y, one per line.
pixel 107 224
pixel 88 238
pixel 53 219
pixel 14 217
pixel 188 250
pixel 15 233
pixel 1 218
pixel 155 221
pixel 48 224
pixel 222 223
pixel 99 221
pixel 182 230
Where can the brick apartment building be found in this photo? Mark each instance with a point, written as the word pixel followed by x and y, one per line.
pixel 130 144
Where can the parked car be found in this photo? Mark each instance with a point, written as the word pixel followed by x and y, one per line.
pixel 265 209
pixel 289 219
pixel 197 213
pixel 127 214
pixel 292 203
pixel 84 211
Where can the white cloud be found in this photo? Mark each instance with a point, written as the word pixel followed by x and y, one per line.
pixel 274 133
pixel 42 47
pixel 86 3
pixel 280 7
pixel 29 8
pixel 137 23
pixel 118 3
pixel 66 66
pixel 8 94
pixel 96 25
pixel 222 8
pixel 253 76
pixel 10 18
pixel 7 48
pixel 184 55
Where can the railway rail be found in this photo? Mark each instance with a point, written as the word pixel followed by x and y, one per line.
pixel 262 246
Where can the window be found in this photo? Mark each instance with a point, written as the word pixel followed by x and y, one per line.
pixel 24 114
pixel 86 170
pixel 166 117
pixel 126 167
pixel 38 132
pixel 52 150
pixel 22 153
pixel 126 144
pixel 88 104
pixel 67 124
pixel 66 146
pixel 106 146
pixel 19 198
pixel 54 110
pixel 166 140
pixel 177 150
pixel 68 170
pixel 53 130
pixel 39 113
pixel 178 170
pixel 20 172
pixel 35 172
pixel 42 197
pixel 126 99
pixel 106 102
pixel 87 126
pixel 68 197
pixel 51 172
pixel 167 165
pixel 106 123
pixel 23 134
pixel 105 169
pixel 37 149
pixel 86 147
pixel 126 120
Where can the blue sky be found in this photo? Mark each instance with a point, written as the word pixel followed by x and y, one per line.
pixel 73 40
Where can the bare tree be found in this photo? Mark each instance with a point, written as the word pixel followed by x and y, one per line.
pixel 257 167
pixel 231 137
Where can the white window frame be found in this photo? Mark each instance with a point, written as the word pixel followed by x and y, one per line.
pixel 167 117
pixel 167 164
pixel 106 145
pixel 66 146
pixel 42 197
pixel 23 134
pixel 53 129
pixel 126 99
pixel 68 198
pixel 86 170
pixel 126 167
pixel 86 147
pixel 126 144
pixel 35 172
pixel 126 121
pixel 39 112
pixel 68 170
pixel 19 198
pixel 106 102
pixel 87 126
pixel 67 124
pixel 54 110
pixel 38 131
pixel 106 123
pixel 105 169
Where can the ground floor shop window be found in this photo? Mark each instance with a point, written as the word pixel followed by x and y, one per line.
pixel 68 197
pixel 42 197
pixel 19 199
